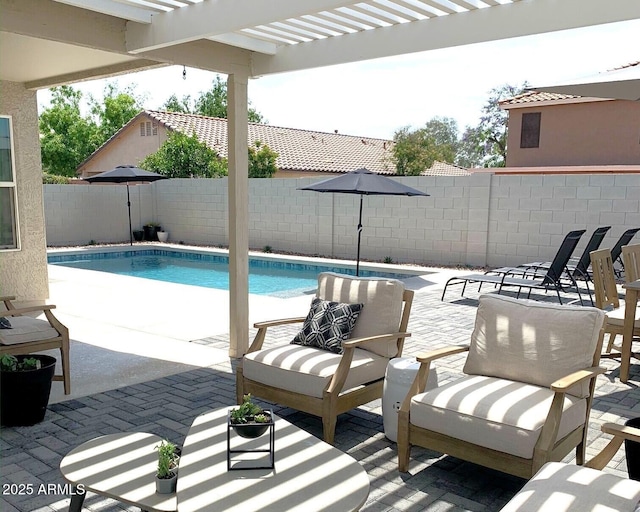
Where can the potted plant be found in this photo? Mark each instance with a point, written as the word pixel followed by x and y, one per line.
pixel 249 419
pixel 163 236
pixel 167 472
pixel 138 235
pixel 25 381
pixel 151 231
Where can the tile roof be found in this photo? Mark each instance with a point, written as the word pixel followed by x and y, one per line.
pixel 300 150
pixel 534 96
pixel 445 169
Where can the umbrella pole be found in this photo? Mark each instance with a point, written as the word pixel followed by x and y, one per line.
pixel 359 235
pixel 129 209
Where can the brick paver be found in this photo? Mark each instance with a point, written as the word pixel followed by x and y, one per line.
pixel 167 407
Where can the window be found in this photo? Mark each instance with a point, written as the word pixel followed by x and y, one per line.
pixel 8 203
pixel 147 129
pixel 530 134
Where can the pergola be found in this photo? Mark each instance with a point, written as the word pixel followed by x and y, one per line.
pixel 44 43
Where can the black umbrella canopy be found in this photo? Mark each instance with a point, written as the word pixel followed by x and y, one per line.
pixel 363 182
pixel 126 174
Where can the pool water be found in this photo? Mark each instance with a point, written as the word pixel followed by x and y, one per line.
pixel 275 278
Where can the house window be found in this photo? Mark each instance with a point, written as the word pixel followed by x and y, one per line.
pixel 8 202
pixel 147 129
pixel 530 134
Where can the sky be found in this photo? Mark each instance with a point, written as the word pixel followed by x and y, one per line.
pixel 377 97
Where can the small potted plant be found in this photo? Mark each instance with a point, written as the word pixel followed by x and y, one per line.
pixel 25 381
pixel 138 235
pixel 151 231
pixel 163 236
pixel 250 420
pixel 167 473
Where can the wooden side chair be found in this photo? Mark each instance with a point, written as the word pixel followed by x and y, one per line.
pixel 526 395
pixel 631 260
pixel 28 335
pixel 315 375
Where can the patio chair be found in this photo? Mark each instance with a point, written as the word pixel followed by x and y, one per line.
pixel 607 299
pixel 561 487
pixel 526 395
pixel 320 381
pixel 28 335
pixel 616 250
pixel 551 279
pixel 631 261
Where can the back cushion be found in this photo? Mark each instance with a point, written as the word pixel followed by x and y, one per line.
pixel 382 299
pixel 533 342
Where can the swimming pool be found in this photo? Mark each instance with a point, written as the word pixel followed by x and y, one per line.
pixel 266 276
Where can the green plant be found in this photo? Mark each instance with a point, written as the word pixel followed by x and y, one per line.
pixel 248 411
pixel 388 259
pixel 9 363
pixel 92 242
pixel 152 225
pixel 267 248
pixel 167 459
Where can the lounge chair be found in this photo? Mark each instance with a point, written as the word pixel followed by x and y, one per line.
pixel 551 279
pixel 312 376
pixel 616 250
pixel 28 335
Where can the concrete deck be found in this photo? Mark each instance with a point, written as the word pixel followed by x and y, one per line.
pixel 150 357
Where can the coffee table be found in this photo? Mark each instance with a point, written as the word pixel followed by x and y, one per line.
pixel 120 466
pixel 310 475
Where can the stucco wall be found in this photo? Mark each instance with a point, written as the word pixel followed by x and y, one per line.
pixel 23 273
pixel 482 219
pixel 594 133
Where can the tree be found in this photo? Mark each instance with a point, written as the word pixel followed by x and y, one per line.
pixel 184 156
pixel 67 138
pixel 472 150
pixel 262 161
pixel 414 151
pixel 117 109
pixel 183 106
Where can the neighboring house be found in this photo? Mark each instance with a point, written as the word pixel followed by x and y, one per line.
pixel 445 169
pixel 550 129
pixel 300 152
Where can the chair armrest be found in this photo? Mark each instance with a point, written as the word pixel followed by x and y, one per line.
pixel 273 323
pixel 564 383
pixel 620 433
pixel 31 309
pixel 356 342
pixel 6 298
pixel 626 433
pixel 427 357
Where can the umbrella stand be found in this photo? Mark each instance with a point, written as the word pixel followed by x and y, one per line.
pixel 129 209
pixel 359 235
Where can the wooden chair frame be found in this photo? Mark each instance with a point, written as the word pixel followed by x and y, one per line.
pixel 335 400
pixel 631 260
pixel 61 341
pixel 547 449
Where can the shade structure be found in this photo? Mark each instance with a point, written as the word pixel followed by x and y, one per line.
pixel 622 84
pixel 364 183
pixel 126 174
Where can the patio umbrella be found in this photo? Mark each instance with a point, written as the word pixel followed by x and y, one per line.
pixel 622 84
pixel 364 183
pixel 126 174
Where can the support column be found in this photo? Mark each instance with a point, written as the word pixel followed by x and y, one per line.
pixel 238 129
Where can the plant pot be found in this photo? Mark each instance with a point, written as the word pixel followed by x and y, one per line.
pixel 250 430
pixel 163 236
pixel 151 233
pixel 25 394
pixel 166 485
pixel 138 235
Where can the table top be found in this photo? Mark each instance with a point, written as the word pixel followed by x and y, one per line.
pixel 310 475
pixel 120 466
pixel 635 285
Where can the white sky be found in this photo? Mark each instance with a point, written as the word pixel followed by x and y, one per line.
pixel 375 98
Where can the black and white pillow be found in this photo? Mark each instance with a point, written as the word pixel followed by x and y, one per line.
pixel 4 323
pixel 328 324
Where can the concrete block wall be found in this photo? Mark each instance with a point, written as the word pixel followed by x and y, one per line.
pixel 484 219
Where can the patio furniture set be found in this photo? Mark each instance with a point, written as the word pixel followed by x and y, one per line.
pixel 523 403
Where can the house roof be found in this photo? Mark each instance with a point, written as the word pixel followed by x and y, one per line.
pixel 535 96
pixel 445 169
pixel 300 150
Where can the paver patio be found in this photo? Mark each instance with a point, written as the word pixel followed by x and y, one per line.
pixel 166 406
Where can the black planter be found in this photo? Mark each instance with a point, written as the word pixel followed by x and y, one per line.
pixel 138 234
pixel 251 430
pixel 151 233
pixel 632 450
pixel 24 395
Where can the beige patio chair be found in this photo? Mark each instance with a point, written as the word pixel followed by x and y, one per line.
pixel 322 382
pixel 526 396
pixel 607 299
pixel 28 335
pixel 631 261
pixel 561 487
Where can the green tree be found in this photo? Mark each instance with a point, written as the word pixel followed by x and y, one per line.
pixel 472 150
pixel 116 109
pixel 184 156
pixel 173 104
pixel 66 137
pixel 414 151
pixel 262 161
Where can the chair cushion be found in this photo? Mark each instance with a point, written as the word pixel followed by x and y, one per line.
pixel 616 317
pixel 308 370
pixel 327 325
pixel 382 311
pixel 25 329
pixel 500 414
pixel 560 487
pixel 533 342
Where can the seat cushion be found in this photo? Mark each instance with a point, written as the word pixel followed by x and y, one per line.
pixel 500 414
pixel 616 317
pixel 560 487
pixel 533 342
pixel 308 370
pixel 382 299
pixel 25 329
